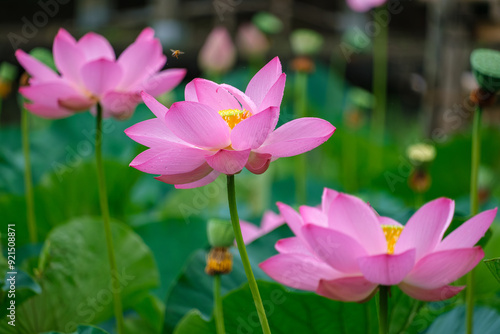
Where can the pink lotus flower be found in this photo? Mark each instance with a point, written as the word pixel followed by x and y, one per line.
pixel 219 129
pixel 270 221
pixel 91 74
pixel 218 54
pixel 251 41
pixel 344 251
pixel 364 5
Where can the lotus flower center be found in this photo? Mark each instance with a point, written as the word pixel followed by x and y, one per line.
pixel 392 233
pixel 234 116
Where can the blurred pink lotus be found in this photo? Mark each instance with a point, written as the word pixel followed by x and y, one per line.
pixel 218 54
pixel 270 221
pixel 220 129
pixel 344 251
pixel 364 5
pixel 251 41
pixel 91 74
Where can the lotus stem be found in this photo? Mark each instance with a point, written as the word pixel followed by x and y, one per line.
pixel 252 283
pixel 383 294
pixel 219 313
pixel 475 158
pixel 474 209
pixel 335 98
pixel 419 200
pixel 103 199
pixel 380 59
pixel 300 107
pixel 349 161
pixel 28 179
pixel 335 90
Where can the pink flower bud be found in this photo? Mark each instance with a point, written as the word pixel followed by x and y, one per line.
pixel 218 54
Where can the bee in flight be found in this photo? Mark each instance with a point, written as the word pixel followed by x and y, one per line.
pixel 176 53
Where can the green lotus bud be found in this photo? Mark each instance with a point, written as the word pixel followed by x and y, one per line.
pixel 8 72
pixel 486 68
pixel 220 233
pixel 486 177
pixel 45 56
pixel 267 23
pixel 356 40
pixel 360 98
pixel 306 42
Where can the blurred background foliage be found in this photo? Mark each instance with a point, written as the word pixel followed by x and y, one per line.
pixel 160 232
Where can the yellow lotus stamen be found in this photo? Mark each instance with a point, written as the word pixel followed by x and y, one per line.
pixel 234 116
pixel 392 233
pixel 219 261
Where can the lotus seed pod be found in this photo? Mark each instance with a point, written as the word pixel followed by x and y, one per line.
pixel 306 42
pixel 486 68
pixel 268 23
pixel 421 152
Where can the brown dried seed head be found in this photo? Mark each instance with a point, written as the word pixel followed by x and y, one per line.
pixel 420 181
pixel 219 261
pixel 5 89
pixel 303 64
pixel 482 97
pixel 24 80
